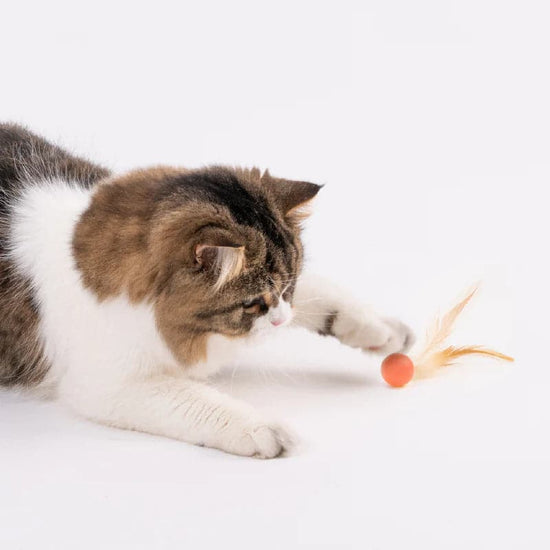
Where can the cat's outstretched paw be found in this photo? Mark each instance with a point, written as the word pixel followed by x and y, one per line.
pixel 369 332
pixel 261 440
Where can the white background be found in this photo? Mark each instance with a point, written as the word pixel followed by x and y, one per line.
pixel 429 124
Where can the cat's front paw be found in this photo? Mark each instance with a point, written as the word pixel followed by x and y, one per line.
pixel 370 332
pixel 259 440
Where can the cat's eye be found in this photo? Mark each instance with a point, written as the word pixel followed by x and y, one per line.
pixel 254 306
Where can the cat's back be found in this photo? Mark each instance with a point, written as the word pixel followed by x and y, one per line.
pixel 26 158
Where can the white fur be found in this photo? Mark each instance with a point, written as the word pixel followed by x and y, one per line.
pixel 109 362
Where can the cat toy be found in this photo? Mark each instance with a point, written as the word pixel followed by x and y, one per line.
pixel 398 369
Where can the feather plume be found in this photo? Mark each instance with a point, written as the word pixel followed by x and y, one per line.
pixel 434 356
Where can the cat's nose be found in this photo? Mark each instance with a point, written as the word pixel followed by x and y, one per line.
pixel 281 314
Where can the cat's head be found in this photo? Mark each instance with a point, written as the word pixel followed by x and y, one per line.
pixel 215 250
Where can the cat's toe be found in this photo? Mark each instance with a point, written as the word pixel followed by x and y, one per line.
pixel 270 441
pixel 262 441
pixel 400 338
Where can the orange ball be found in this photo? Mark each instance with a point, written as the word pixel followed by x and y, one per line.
pixel 397 370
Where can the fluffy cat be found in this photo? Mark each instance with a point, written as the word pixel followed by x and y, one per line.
pixel 118 293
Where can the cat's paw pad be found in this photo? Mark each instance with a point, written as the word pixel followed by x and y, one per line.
pixel 372 333
pixel 261 441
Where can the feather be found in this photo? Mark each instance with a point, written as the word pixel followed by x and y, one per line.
pixel 434 356
pixel 448 356
pixel 442 327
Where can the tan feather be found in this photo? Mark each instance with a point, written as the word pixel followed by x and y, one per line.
pixel 448 356
pixel 442 327
pixel 433 357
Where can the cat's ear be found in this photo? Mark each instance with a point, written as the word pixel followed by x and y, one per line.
pixel 223 262
pixel 292 197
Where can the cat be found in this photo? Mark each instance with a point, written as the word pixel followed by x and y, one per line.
pixel 119 294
